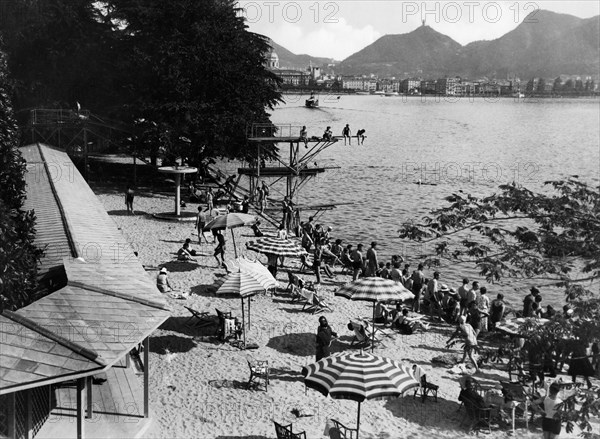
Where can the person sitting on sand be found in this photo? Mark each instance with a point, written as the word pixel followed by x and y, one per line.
pixel 256 229
pixel 405 324
pixel 162 281
pixel 381 313
pixel 184 253
pixel 385 271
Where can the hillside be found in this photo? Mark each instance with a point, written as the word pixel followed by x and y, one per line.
pixel 289 60
pixel 544 44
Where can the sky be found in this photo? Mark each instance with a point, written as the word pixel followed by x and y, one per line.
pixel 337 29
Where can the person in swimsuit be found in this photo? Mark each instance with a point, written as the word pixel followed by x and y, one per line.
pixel 347 135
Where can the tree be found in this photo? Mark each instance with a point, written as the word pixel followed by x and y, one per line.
pixel 541 86
pixel 18 255
pixel 557 86
pixel 196 72
pixel 60 52
pixel 552 237
pixel 569 86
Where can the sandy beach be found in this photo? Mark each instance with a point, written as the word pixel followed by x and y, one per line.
pixel 198 385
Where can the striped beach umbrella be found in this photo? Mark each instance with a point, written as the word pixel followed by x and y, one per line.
pixel 374 289
pixel 230 221
pixel 240 283
pixel 358 377
pixel 256 270
pixel 276 246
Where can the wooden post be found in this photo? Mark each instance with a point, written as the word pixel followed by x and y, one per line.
pixel 28 407
pixel 146 376
pixel 89 383
pixel 10 415
pixel 80 408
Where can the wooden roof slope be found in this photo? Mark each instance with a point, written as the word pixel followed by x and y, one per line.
pixel 109 305
pixel 50 229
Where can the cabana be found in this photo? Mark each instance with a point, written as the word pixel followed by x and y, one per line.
pixel 67 355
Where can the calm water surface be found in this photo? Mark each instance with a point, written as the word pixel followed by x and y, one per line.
pixel 472 145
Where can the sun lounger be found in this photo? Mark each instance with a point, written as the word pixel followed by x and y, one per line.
pixel 198 318
pixel 314 303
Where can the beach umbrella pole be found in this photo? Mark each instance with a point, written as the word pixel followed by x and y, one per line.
pixel 234 247
pixel 243 323
pixel 372 335
pixel 358 422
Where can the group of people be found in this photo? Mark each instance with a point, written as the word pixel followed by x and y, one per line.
pixel 328 135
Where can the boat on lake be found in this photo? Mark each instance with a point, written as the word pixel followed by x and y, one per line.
pixel 311 102
pixel 392 93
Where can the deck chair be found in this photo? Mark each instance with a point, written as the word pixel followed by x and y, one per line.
pixel 425 388
pixel 340 431
pixel 476 386
pixel 360 335
pixel 198 318
pixel 305 264
pixel 316 305
pixel 285 432
pixel 259 370
pixel 294 286
pixel 515 395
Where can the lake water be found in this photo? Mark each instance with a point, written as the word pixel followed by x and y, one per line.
pixel 465 144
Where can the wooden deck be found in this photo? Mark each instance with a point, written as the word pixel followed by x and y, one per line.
pixel 118 408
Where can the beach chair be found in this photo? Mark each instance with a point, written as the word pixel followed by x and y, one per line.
pixel 305 264
pixel 517 399
pixel 295 284
pixel 316 305
pixel 198 318
pixel 425 388
pixel 476 386
pixel 480 416
pixel 340 431
pixel 285 432
pixel 360 335
pixel 259 370
pixel 227 328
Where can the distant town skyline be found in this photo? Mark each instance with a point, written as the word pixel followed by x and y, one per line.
pixel 339 29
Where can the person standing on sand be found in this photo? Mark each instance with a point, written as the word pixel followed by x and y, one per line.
pixel 220 249
pixel 200 223
pixel 463 291
pixel 317 257
pixel 357 261
pixel 470 336
pixel 347 135
pixel 209 201
pixel 129 194
pixel 325 336
pixel 372 262
pixel 418 281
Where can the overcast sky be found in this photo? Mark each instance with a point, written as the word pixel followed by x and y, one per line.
pixel 337 29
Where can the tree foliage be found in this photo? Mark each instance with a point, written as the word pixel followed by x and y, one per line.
pixel 18 255
pixel 188 69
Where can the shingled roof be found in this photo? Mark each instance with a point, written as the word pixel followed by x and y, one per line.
pixel 109 305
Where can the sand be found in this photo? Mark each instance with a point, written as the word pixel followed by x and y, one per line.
pixel 198 385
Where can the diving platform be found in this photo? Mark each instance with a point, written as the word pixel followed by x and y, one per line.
pixel 280 171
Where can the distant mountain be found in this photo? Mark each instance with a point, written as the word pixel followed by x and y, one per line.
pixel 289 60
pixel 423 51
pixel 545 44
